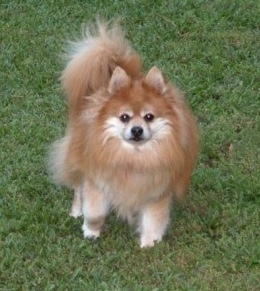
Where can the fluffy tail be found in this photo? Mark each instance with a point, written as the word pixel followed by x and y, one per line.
pixel 93 60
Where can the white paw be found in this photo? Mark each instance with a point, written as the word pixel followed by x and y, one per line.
pixel 75 212
pixel 90 233
pixel 148 242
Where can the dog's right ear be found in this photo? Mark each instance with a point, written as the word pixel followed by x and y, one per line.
pixel 119 80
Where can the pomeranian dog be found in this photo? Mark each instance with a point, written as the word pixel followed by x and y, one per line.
pixel 131 141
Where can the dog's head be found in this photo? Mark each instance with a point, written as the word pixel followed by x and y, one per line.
pixel 137 112
pixel 141 121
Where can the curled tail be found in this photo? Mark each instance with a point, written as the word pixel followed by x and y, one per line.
pixel 93 60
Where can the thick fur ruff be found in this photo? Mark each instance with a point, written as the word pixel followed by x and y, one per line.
pixel 131 141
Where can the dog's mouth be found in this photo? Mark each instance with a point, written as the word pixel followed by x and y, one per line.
pixel 136 139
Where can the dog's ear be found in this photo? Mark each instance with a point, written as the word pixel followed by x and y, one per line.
pixel 119 80
pixel 154 78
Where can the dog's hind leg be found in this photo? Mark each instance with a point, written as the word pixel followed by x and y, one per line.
pixel 76 208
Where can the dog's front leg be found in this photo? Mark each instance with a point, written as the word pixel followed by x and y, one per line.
pixel 154 221
pixel 95 208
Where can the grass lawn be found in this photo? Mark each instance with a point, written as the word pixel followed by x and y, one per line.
pixel 211 49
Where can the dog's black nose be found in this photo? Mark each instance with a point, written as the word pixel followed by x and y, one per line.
pixel 137 131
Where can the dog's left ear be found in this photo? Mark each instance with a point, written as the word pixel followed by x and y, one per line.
pixel 154 78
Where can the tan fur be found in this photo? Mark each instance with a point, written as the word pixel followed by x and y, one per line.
pixel 134 180
pixel 92 62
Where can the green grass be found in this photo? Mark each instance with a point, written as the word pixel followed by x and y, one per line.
pixel 211 49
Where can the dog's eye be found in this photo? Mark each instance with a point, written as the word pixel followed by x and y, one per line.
pixel 149 117
pixel 124 118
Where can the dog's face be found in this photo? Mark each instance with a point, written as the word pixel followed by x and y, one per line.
pixel 136 114
pixel 135 129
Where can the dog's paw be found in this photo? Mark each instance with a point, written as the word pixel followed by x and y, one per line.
pixel 148 242
pixel 144 245
pixel 90 233
pixel 75 212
